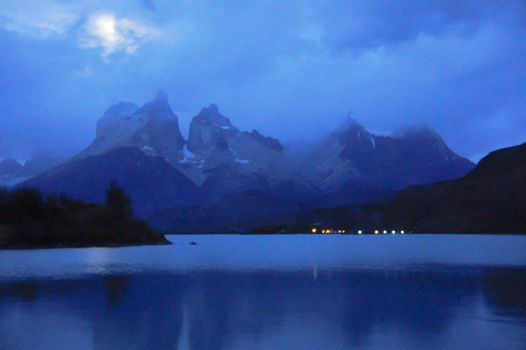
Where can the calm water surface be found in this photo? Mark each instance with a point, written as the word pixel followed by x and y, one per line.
pixel 270 292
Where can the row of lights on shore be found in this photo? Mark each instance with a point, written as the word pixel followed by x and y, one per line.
pixel 360 232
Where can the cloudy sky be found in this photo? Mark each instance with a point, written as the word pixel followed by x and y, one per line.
pixel 291 69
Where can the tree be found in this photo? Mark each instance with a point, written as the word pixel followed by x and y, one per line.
pixel 26 203
pixel 118 202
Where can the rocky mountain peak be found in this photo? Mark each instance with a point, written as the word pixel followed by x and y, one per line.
pixel 113 115
pixel 153 128
pixel 266 141
pixel 419 131
pixel 425 138
pixel 350 122
pixel 351 125
pixel 355 137
pixel 352 156
pixel 207 128
pixel 121 108
pixel 211 115
pixel 159 105
pixel 211 109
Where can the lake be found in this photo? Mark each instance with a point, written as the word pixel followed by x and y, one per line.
pixel 270 292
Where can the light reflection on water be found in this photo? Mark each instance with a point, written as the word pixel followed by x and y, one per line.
pixel 270 292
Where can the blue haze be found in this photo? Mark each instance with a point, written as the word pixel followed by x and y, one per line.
pixel 289 69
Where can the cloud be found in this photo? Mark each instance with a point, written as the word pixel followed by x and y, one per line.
pixel 37 19
pixel 457 65
pixel 112 34
pixel 361 25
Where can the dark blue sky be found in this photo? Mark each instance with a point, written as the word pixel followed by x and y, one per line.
pixel 290 69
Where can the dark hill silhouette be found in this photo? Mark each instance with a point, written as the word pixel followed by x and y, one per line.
pixel 150 182
pixel 491 198
pixel 30 220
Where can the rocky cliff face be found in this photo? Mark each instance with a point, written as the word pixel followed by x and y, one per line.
pixel 217 153
pixel 153 128
pixel 215 150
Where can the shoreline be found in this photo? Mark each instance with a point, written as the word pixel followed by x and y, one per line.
pixel 166 242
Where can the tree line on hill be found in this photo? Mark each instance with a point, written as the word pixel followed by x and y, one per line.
pixel 29 219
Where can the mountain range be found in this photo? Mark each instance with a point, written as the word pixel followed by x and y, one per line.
pixel 223 178
pixel 489 199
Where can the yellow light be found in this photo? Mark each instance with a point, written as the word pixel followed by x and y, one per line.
pixel 314 230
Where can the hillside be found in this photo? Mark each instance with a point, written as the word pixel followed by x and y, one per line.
pixel 150 182
pixel 491 198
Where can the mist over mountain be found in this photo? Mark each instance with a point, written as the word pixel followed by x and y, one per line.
pixel 240 179
pixel 455 65
pixel 351 156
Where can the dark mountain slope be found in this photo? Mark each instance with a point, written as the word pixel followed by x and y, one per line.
pixel 491 198
pixel 150 182
pixel 237 212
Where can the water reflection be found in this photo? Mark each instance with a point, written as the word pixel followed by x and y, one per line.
pixel 506 292
pixel 223 310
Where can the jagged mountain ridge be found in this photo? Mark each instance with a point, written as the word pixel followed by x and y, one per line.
pixel 348 158
pixel 221 164
pixel 214 145
pixel 353 157
pixel 223 159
